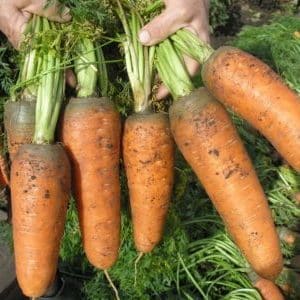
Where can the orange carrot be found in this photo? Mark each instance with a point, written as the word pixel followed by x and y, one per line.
pixel 254 91
pixel 41 179
pixel 209 142
pixel 268 289
pixel 148 147
pixel 148 153
pixel 40 184
pixel 91 132
pixel 207 138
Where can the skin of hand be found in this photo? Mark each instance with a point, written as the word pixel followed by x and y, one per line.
pixel 14 15
pixel 190 14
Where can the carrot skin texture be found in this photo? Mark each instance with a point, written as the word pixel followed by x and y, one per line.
pixel 205 135
pixel 148 152
pixel 255 92
pixel 91 132
pixel 19 120
pixel 40 187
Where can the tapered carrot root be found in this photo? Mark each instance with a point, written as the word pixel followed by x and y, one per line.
pixel 40 186
pixel 91 132
pixel 148 153
pixel 268 289
pixel 209 142
pixel 19 120
pixel 253 90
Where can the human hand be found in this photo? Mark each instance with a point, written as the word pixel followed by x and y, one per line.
pixel 190 14
pixel 14 14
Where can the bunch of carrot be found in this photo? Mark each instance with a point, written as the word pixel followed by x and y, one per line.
pixel 90 130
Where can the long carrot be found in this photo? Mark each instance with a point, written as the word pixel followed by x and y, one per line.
pixel 254 91
pixel 209 142
pixel 40 183
pixel 91 132
pixel 147 145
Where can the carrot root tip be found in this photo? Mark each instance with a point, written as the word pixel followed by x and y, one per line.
pixel 111 284
pixel 135 266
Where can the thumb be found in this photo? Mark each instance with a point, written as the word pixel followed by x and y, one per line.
pixel 160 28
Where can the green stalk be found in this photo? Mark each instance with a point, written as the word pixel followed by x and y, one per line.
pixel 103 76
pixel 139 60
pixel 172 70
pixel 86 68
pixel 50 90
pixel 189 44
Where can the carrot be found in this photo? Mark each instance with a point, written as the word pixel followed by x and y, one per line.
pixel 207 138
pixel 148 149
pixel 254 91
pixel 148 158
pixel 268 289
pixel 40 182
pixel 19 120
pixel 40 179
pixel 91 134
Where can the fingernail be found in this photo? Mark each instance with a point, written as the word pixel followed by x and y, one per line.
pixel 66 14
pixel 144 37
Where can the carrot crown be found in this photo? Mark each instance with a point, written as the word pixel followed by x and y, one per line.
pixel 138 58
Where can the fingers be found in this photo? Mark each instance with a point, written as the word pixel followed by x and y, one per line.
pixel 13 23
pixel 54 11
pixel 162 92
pixel 71 78
pixel 160 27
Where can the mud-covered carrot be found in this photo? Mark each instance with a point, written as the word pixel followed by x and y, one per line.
pixel 253 90
pixel 91 132
pixel 208 140
pixel 40 182
pixel 147 145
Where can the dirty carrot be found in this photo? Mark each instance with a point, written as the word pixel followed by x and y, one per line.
pixel 207 138
pixel 148 149
pixel 40 182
